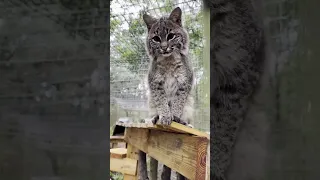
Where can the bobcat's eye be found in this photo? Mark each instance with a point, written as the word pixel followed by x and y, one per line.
pixel 170 36
pixel 156 39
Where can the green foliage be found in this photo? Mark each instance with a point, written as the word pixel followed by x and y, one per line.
pixel 194 29
pixel 136 27
pixel 168 6
pixel 116 176
pixel 129 45
pixel 130 48
pixel 128 33
pixel 114 24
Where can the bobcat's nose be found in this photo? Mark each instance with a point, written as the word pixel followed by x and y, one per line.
pixel 164 46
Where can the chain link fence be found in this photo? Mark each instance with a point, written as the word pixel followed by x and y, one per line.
pixel 129 62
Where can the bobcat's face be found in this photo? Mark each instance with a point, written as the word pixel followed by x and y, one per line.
pixel 166 35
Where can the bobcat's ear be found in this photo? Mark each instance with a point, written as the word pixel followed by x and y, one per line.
pixel 175 16
pixel 149 20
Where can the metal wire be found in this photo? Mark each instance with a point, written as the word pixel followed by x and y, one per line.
pixel 128 94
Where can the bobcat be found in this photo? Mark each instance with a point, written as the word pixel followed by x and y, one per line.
pixel 170 76
pixel 237 51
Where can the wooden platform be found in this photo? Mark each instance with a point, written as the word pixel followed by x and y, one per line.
pixel 181 148
pixel 126 166
pixel 118 153
pixel 174 127
pixel 117 138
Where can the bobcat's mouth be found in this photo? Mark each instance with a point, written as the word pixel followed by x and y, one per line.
pixel 166 53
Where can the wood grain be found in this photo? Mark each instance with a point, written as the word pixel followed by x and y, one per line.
pixel 116 139
pixel 125 165
pixel 201 159
pixel 208 163
pixel 118 153
pixel 183 153
pixel 173 127
pixel 132 153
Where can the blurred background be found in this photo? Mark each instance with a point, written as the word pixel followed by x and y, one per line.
pixel 54 89
pixel 54 86
pixel 279 139
pixel 129 62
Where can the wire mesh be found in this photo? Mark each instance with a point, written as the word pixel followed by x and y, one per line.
pixel 283 22
pixel 53 85
pixel 129 61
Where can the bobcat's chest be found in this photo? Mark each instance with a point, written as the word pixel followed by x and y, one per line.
pixel 171 70
pixel 170 84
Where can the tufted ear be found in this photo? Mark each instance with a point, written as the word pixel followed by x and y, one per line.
pixel 149 20
pixel 175 16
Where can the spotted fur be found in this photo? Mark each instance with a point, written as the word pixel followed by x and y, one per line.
pixel 170 76
pixel 237 51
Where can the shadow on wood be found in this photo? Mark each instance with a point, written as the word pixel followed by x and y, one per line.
pixel 179 147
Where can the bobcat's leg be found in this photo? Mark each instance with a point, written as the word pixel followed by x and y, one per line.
pixel 175 119
pixel 159 100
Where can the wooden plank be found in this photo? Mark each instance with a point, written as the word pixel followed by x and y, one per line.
pixel 132 153
pixel 130 177
pixel 173 127
pixel 125 166
pixel 183 153
pixel 116 138
pixel 201 163
pixel 119 153
pixel 179 127
pixel 118 145
pixel 208 163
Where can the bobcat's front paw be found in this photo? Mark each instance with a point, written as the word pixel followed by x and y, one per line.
pixel 165 120
pixel 190 126
pixel 154 119
pixel 178 120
